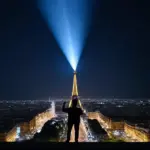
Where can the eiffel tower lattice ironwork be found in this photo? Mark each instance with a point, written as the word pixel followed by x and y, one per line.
pixel 75 90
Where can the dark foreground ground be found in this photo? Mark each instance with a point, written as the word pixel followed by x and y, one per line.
pixel 70 146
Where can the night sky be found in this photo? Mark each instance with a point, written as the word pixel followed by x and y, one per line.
pixel 115 60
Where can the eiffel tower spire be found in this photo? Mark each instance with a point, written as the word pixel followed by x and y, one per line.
pixel 75 88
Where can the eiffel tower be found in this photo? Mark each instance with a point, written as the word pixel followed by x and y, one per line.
pixel 75 91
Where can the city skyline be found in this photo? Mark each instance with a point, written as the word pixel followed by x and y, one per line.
pixel 126 121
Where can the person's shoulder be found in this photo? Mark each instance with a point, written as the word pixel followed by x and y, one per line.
pixel 79 109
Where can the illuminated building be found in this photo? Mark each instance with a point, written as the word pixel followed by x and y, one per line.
pixel 24 128
pixel 2 137
pixel 75 90
pixel 18 132
pixel 32 125
pixel 12 134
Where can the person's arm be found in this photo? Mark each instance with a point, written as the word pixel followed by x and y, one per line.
pixel 83 112
pixel 63 108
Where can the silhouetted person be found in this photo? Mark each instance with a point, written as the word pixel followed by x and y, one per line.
pixel 74 114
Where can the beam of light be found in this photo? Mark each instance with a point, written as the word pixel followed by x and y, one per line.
pixel 69 20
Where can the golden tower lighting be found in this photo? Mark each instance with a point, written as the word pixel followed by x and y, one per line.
pixel 75 89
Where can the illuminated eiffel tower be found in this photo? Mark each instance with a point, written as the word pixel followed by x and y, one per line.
pixel 75 91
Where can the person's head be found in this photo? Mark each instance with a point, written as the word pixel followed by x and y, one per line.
pixel 74 101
